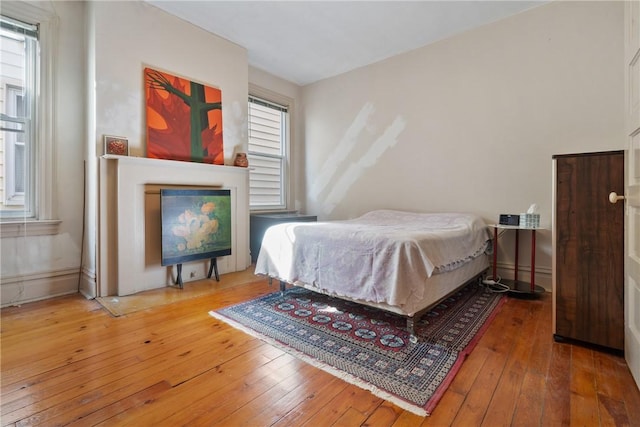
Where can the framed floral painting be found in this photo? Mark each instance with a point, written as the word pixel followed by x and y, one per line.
pixel 196 224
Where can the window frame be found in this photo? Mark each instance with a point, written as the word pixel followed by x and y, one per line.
pixel 23 126
pixel 286 102
pixel 42 220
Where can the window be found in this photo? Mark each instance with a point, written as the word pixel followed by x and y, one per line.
pixel 28 35
pixel 15 148
pixel 18 45
pixel 268 149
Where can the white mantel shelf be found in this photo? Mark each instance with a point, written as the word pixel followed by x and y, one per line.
pixel 128 262
pixel 174 164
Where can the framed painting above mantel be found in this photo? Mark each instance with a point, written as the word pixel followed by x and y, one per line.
pixel 184 119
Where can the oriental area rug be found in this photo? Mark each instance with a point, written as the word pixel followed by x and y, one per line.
pixel 369 347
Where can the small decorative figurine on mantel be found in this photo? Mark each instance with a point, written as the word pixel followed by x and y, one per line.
pixel 241 160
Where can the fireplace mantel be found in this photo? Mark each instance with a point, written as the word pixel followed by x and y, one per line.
pixel 129 258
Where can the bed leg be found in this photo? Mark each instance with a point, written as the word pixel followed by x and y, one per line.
pixel 411 329
pixel 283 287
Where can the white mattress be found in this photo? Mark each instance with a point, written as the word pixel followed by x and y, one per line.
pixel 383 257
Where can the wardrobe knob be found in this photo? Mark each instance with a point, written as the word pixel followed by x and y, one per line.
pixel 613 197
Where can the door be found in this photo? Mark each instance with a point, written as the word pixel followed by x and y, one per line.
pixel 632 189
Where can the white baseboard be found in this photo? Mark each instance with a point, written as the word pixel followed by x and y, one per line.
pixel 543 274
pixel 88 284
pixel 38 286
pixel 22 289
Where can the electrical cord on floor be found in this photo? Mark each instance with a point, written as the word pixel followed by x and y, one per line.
pixel 493 284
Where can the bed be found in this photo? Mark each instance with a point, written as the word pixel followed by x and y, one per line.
pixel 402 262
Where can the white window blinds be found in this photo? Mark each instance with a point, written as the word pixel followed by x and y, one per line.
pixel 268 130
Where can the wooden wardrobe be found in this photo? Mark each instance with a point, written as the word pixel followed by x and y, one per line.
pixel 588 249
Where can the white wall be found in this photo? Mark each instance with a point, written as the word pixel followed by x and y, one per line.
pixel 36 267
pixel 133 35
pixel 130 36
pixel 470 123
pixel 101 50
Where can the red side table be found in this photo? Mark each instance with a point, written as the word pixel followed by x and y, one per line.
pixel 517 286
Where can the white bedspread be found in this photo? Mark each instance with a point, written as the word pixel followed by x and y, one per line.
pixel 383 256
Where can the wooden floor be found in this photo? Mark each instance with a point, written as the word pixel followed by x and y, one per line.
pixel 67 361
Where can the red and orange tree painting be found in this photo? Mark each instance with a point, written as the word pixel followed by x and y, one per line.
pixel 184 119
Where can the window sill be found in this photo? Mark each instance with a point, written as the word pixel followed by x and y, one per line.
pixel 29 228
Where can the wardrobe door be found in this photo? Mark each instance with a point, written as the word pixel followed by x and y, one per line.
pixel 589 246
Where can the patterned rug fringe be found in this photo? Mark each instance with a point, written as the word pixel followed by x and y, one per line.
pixel 325 367
pixel 369 348
pixel 461 358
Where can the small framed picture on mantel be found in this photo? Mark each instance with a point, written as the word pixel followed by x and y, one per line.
pixel 116 145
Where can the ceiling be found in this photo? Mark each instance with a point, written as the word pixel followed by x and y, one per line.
pixel 307 41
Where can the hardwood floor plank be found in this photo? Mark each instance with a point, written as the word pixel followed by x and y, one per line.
pixel 350 418
pixel 289 394
pixel 230 395
pixel 504 400
pixel 204 388
pixel 119 332
pixel 315 404
pixel 140 349
pixel 630 392
pixel 475 405
pixel 612 412
pixel 263 389
pixel 470 369
pixel 446 411
pixel 142 397
pixel 493 337
pixel 385 415
pixel 408 419
pixel 607 373
pixel 351 397
pixel 173 366
pixel 528 411
pixel 18 320
pixel 584 400
pixel 501 337
pixel 67 361
pixel 556 406
pixel 534 364
pixel 63 378
pixel 542 339
pixel 312 403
